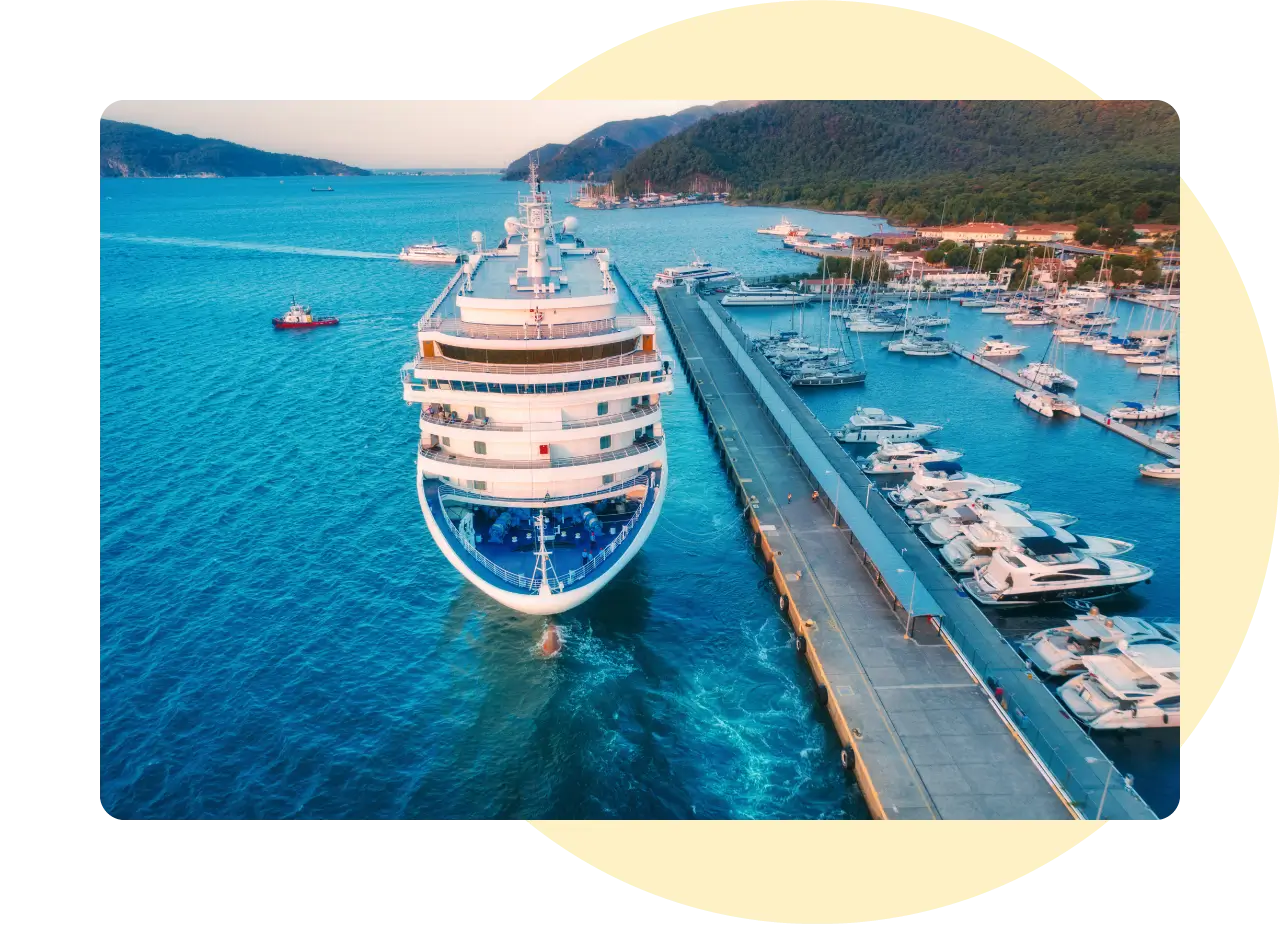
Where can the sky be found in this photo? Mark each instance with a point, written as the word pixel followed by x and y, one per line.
pixel 392 134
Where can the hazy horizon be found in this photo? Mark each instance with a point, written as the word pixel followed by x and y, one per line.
pixel 392 134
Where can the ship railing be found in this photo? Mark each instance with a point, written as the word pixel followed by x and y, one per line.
pixel 468 543
pixel 431 310
pixel 636 358
pixel 599 558
pixel 452 420
pixel 437 453
pixel 604 491
pixel 484 331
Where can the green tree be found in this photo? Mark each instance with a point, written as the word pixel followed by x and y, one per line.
pixel 1086 233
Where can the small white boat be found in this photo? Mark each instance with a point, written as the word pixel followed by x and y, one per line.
pixel 784 229
pixel 1168 370
pixel 1059 651
pixel 924 345
pixel 430 253
pixel 873 425
pixel 1171 470
pixel 903 457
pixel 1151 356
pixel 763 295
pixel 1047 403
pixel 1001 308
pixel 1136 687
pixel 1047 375
pixel 1170 436
pixel 1028 319
pixel 1142 411
pixel 996 346
pixel 966 302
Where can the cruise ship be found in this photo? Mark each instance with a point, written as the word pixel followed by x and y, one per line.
pixel 542 464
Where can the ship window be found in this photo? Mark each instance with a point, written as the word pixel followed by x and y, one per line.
pixel 648 432
pixel 602 408
pixel 431 384
pixel 508 388
pixel 635 401
pixel 445 441
pixel 481 450
pixel 468 386
pixel 644 377
pixel 606 479
pixel 597 383
pixel 480 412
pixel 455 385
pixel 1169 702
pixel 605 441
pixel 571 386
pixel 540 388
pixel 613 380
pixel 479 486
pixel 1055 578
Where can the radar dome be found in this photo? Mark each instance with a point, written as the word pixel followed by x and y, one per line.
pixel 570 224
pixel 512 225
pixel 477 238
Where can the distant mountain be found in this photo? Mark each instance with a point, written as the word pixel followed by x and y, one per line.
pixel 607 147
pixel 129 150
pixel 919 162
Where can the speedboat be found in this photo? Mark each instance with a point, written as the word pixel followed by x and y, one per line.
pixel 299 316
pixel 872 425
pixel 1171 470
pixel 1168 370
pixel 948 475
pixel 997 346
pixel 903 457
pixel 430 253
pixel 1047 569
pixel 697 271
pixel 784 229
pixel 1047 402
pixel 1048 375
pixel 1137 687
pixel 1170 436
pixel 1059 651
pixel 952 519
pixel 976 542
pixel 763 295
pixel 1142 411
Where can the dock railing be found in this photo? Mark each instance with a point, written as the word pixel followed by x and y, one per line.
pixel 1083 773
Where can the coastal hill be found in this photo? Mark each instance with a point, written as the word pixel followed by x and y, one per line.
pixel 609 146
pixel 130 150
pixel 929 162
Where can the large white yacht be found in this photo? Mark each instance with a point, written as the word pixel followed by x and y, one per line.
pixel 873 425
pixel 951 519
pixel 1059 651
pixel 784 229
pixel 997 346
pixel 1047 569
pixel 697 271
pixel 430 253
pixel 542 462
pixel 1138 687
pixel 763 295
pixel 949 475
pixel 903 457
pixel 976 542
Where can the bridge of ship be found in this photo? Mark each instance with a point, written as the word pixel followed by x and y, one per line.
pixel 575 554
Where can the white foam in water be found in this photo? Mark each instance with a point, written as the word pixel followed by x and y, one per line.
pixel 247 246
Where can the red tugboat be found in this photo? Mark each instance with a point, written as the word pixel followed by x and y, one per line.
pixel 299 316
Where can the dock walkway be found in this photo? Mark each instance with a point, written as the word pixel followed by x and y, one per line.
pixel 937 714
pixel 1104 421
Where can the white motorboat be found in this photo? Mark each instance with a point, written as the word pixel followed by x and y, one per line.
pixel 1171 470
pixel 784 229
pixel 1145 359
pixel 930 321
pixel 743 295
pixel 967 302
pixel 1047 375
pixel 1170 436
pixel 1059 651
pixel 1093 339
pixel 879 323
pixel 873 425
pixel 1047 403
pixel 996 346
pixel 1001 308
pixel 1047 569
pixel 925 345
pixel 903 457
pixel 952 518
pixel 1167 370
pixel 948 475
pixel 697 271
pixel 1067 335
pixel 1142 411
pixel 430 253
pixel 1137 687
pixel 1028 319
pixel 976 542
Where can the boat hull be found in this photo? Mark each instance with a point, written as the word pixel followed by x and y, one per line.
pixel 281 324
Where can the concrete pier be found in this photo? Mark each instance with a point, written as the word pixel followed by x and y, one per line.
pixel 937 716
pixel 1102 420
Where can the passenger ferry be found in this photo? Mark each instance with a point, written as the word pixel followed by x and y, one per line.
pixel 542 461
pixel 430 253
pixel 698 271
pixel 784 229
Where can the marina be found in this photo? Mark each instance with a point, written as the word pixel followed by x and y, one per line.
pixel 878 608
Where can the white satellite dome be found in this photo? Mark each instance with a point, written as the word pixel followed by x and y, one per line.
pixel 477 238
pixel 512 225
pixel 570 224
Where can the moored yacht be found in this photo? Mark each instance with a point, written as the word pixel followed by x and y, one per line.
pixel 697 271
pixel 949 475
pixel 1060 650
pixel 784 229
pixel 941 519
pixel 1047 569
pixel 542 460
pixel 995 347
pixel 1170 470
pixel 1047 403
pixel 1170 436
pixel 1137 687
pixel 873 425
pixel 430 253
pixel 973 547
pixel 903 457
pixel 1142 411
pixel 1047 375
pixel 1167 370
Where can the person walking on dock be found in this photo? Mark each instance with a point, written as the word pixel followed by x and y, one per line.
pixel 788 497
pixel 815 495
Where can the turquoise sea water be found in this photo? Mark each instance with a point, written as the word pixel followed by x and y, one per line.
pixel 280 636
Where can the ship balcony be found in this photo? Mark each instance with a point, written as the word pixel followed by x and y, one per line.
pixel 613 385
pixel 439 461
pixel 436 367
pixel 586 332
pixel 436 421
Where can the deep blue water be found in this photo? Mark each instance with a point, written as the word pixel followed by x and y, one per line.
pixel 280 636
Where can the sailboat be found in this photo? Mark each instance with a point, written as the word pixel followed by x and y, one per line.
pixel 1145 411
